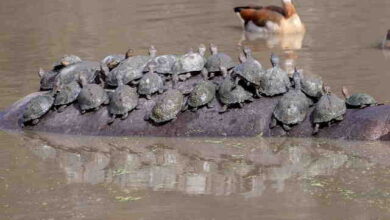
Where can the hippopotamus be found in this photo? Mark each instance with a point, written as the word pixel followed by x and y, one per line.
pixel 253 119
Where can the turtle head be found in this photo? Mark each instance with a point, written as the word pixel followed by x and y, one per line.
pixel 82 80
pixel 327 89
pixel 152 67
pixel 297 76
pixel 41 73
pixel 152 51
pixel 213 48
pixel 175 80
pixel 247 51
pixel 242 57
pixel 345 92
pixel 202 49
pixel 275 60
pixel 129 53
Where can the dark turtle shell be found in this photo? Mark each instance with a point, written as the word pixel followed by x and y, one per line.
pixel 72 73
pixel 113 60
pixel 229 93
pixel 190 62
pixel 328 108
pixel 163 64
pixel 168 106
pixel 123 100
pixel 275 81
pixel 202 94
pixel 37 107
pixel 250 70
pixel 150 84
pixel 66 60
pixel 216 61
pixel 292 108
pixel 312 86
pixel 48 79
pixel 91 96
pixel 129 70
pixel 358 100
pixel 67 93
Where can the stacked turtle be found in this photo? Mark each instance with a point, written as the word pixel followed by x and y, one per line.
pixel 121 80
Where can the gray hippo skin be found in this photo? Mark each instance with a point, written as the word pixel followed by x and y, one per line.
pixel 253 119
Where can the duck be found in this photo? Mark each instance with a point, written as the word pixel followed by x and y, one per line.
pixel 386 41
pixel 271 19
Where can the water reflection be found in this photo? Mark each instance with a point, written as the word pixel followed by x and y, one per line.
pixel 246 167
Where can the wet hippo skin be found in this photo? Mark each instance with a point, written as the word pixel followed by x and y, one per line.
pixel 253 119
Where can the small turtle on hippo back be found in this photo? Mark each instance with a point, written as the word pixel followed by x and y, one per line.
pixel 113 60
pixel 328 109
pixel 274 81
pixel 249 70
pixel 150 83
pixel 72 72
pixel 202 94
pixel 36 108
pixel 65 61
pixel 66 95
pixel 189 63
pixel 231 94
pixel 358 100
pixel 123 100
pixel 292 107
pixel 168 106
pixel 312 86
pixel 217 62
pixel 48 79
pixel 91 97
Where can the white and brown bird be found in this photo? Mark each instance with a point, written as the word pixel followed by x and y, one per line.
pixel 271 19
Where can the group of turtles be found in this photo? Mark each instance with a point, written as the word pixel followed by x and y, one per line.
pixel 119 81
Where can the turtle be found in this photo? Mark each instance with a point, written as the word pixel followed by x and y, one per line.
pixel 36 108
pixel 163 63
pixel 71 73
pixel 190 62
pixel 312 86
pixel 113 60
pixel 249 70
pixel 229 94
pixel 150 83
pixel 292 107
pixel 168 106
pixel 328 109
pixel 47 79
pixel 123 100
pixel 274 81
pixel 217 62
pixel 92 96
pixel 66 94
pixel 358 100
pixel 65 61
pixel 202 94
pixel 130 70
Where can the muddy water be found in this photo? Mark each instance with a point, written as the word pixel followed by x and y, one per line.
pixel 52 177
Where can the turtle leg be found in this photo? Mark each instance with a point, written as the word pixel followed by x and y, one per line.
pixel 184 108
pixel 224 71
pixel 182 77
pixel 83 111
pixel 188 75
pixel 148 97
pixel 286 127
pixel 316 129
pixel 194 109
pixel 124 116
pixel 257 93
pixel 111 120
pixel 329 123
pixel 212 74
pixel 240 105
pixel 273 123
pixel 340 118
pixel 205 74
pixel 224 109
pixel 97 108
pixel 250 99
pixel 61 108
pixel 210 105
pixel 35 121
pixel 161 91
pixel 134 82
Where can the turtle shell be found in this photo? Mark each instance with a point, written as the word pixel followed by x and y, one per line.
pixel 275 81
pixel 123 100
pixel 163 63
pixel 72 73
pixel 37 107
pixel 329 107
pixel 312 86
pixel 168 106
pixel 202 94
pixel 69 59
pixel 250 70
pixel 91 96
pixel 360 99
pixel 48 80
pixel 190 62
pixel 117 58
pixel 292 108
pixel 130 69
pixel 150 84
pixel 215 61
pixel 229 93
pixel 67 94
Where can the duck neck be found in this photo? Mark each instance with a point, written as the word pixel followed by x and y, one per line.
pixel 289 8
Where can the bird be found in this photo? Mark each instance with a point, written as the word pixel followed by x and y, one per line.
pixel 271 19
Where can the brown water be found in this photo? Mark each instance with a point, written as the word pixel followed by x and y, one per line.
pixel 52 177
